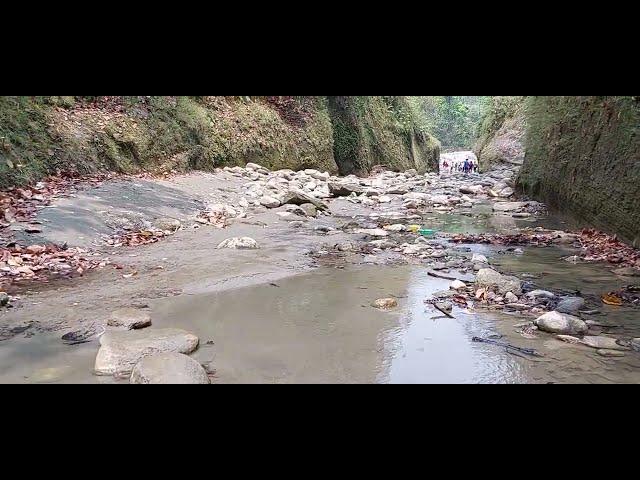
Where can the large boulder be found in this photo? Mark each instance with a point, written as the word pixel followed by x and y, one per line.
pixel 556 322
pixel 487 277
pixel 120 351
pixel 296 196
pixel 129 319
pixel 343 189
pixel 168 368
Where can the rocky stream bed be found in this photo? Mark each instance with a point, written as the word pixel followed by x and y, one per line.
pixel 248 275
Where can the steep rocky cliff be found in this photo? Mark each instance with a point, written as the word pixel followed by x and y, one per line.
pixel 583 156
pixel 501 132
pixel 41 135
pixel 372 131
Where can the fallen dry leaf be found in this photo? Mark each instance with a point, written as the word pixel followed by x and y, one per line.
pixel 611 299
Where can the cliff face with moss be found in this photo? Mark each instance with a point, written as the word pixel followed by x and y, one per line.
pixel 583 156
pixel 501 132
pixel 370 131
pixel 42 135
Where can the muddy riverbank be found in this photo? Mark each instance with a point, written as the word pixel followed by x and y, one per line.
pixel 298 308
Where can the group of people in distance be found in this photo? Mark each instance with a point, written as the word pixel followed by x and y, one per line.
pixel 466 167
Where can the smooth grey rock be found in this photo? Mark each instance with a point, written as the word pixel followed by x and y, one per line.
pixel 309 209
pixel 556 322
pixel 129 319
pixel 169 368
pixel 540 294
pixel 296 196
pixel 269 202
pixel 488 277
pixel 571 305
pixel 610 353
pixel 601 342
pixel 120 351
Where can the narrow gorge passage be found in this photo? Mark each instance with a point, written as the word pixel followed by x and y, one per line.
pixel 435 260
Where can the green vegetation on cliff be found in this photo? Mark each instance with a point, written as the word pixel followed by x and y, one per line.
pixel 387 131
pixel 453 120
pixel 42 135
pixel 501 131
pixel 583 156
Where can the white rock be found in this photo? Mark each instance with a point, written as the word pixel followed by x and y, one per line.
pixel 270 202
pixel 256 167
pixel 440 199
pixel 382 244
pixel 457 285
pixel 397 227
pixel 511 298
pixel 479 258
pixel 372 232
pixel 540 293
pixel 384 199
pixel 239 243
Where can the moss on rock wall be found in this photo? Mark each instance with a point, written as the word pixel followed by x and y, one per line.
pixel 42 135
pixel 501 132
pixel 583 156
pixel 370 131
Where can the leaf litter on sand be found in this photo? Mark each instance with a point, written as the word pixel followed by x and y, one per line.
pixel 134 239
pixel 41 262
